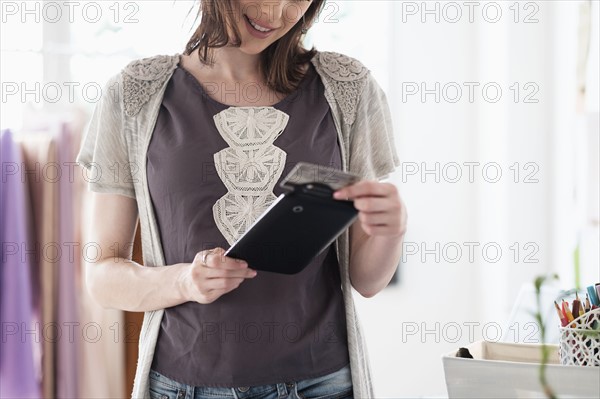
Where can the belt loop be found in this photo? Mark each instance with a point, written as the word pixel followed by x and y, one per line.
pixel 282 390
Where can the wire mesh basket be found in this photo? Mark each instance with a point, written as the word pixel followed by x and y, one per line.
pixel 580 341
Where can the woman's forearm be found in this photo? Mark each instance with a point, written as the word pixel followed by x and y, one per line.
pixel 374 262
pixel 376 237
pixel 123 284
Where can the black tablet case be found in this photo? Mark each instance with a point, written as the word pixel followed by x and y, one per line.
pixel 294 229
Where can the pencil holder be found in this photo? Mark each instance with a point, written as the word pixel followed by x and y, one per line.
pixel 580 341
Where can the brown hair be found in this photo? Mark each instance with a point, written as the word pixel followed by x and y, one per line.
pixel 281 62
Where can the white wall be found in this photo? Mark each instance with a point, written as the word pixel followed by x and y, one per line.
pixel 441 305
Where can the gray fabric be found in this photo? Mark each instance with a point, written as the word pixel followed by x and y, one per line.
pixel 273 328
pixel 120 130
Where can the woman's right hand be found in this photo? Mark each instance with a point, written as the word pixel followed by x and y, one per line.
pixel 206 282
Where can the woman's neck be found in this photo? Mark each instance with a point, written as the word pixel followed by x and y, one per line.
pixel 232 69
pixel 235 65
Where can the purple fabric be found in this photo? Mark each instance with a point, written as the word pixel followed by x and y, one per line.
pixel 17 367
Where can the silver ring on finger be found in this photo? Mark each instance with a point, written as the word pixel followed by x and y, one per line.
pixel 204 255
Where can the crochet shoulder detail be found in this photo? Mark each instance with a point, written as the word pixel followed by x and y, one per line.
pixel 143 77
pixel 346 78
pixel 341 67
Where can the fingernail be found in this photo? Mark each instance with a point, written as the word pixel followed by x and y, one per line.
pixel 337 194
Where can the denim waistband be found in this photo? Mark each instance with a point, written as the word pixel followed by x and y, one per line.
pixel 334 385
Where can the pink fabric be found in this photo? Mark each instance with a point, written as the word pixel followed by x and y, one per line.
pixel 67 316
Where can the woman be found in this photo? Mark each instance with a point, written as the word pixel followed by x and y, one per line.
pixel 196 143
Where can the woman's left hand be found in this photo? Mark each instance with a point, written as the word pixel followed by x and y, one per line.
pixel 381 210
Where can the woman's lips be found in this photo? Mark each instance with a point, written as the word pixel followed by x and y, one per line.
pixel 255 32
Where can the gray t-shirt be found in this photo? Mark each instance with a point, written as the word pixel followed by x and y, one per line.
pixel 272 328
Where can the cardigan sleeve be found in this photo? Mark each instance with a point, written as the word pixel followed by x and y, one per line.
pixel 373 153
pixel 104 152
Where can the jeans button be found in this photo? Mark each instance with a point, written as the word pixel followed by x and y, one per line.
pixel 289 384
pixel 243 389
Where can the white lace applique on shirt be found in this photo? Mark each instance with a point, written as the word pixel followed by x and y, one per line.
pixel 249 167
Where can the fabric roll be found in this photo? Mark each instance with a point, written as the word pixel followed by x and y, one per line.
pixel 19 377
pixel 67 316
pixel 39 168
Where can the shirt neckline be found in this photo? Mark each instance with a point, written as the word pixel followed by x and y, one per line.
pixel 286 99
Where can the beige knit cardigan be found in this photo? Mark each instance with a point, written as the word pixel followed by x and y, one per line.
pixel 114 147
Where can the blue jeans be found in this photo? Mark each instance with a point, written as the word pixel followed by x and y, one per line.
pixel 337 385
